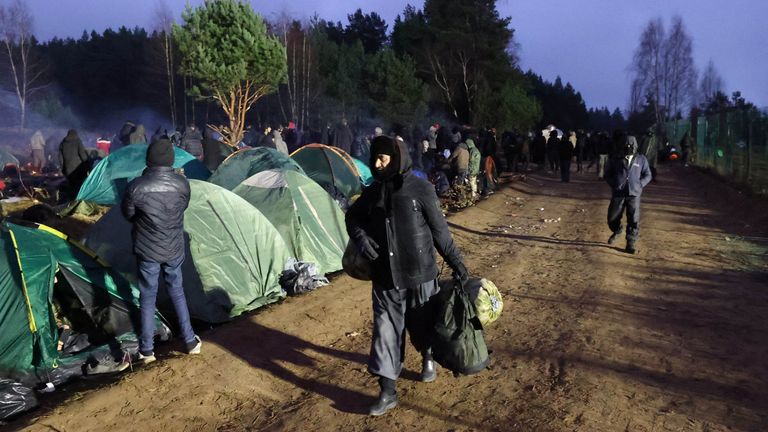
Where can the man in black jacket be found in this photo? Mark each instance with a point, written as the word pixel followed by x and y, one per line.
pixel 155 204
pixel 397 224
pixel 627 174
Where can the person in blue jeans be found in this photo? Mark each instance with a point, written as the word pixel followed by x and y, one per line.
pixel 154 203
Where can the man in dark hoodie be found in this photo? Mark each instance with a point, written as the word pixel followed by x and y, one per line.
pixel 627 173
pixel 154 203
pixel 192 142
pixel 73 159
pixel 397 224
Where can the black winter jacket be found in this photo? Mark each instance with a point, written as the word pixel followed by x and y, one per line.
pixel 192 142
pixel 407 230
pixel 155 204
pixel 72 154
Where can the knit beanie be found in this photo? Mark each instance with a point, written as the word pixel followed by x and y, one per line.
pixel 160 153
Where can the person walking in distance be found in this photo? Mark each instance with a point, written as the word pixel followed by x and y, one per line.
pixel 397 224
pixel 627 174
pixel 154 203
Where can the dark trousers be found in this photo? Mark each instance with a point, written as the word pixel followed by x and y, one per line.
pixel 616 211
pixel 394 312
pixel 565 170
pixel 148 283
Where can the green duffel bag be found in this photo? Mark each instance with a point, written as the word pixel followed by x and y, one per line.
pixel 457 338
pixel 487 299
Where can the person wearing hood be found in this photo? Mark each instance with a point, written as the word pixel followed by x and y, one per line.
pixel 73 159
pixel 565 155
pixel 627 174
pixel 397 224
pixel 343 136
pixel 459 161
pixel 277 139
pixel 192 142
pixel 214 151
pixel 154 203
pixel 138 136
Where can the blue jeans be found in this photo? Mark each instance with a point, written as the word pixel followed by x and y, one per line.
pixel 148 282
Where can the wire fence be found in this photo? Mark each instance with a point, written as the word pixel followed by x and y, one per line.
pixel 732 144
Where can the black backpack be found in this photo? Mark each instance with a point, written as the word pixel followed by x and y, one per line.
pixel 457 337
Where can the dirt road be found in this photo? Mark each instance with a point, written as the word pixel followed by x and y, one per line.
pixel 591 339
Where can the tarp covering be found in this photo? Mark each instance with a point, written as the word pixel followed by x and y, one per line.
pixel 106 183
pixel 7 158
pixel 331 167
pixel 36 263
pixel 234 255
pixel 366 178
pixel 306 217
pixel 249 161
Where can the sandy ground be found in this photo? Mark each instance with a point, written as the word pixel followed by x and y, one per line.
pixel 591 338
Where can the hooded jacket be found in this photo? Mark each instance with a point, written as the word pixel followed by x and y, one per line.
pixel 192 143
pixel 72 154
pixel 474 158
pixel 461 157
pixel 402 215
pixel 628 176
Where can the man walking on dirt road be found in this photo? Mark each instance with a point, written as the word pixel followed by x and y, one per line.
pixel 155 204
pixel 627 174
pixel 397 224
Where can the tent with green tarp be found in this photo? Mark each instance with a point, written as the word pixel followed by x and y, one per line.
pixel 366 177
pixel 234 254
pixel 7 158
pixel 107 181
pixel 47 281
pixel 249 161
pixel 306 217
pixel 331 167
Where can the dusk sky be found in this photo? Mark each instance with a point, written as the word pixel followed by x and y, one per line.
pixel 589 43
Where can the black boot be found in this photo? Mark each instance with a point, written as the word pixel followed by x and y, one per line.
pixel 387 397
pixel 428 367
pixel 631 247
pixel 615 236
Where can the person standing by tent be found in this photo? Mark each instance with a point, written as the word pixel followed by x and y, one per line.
pixel 192 142
pixel 73 159
pixel 627 174
pixel 214 151
pixel 343 136
pixel 154 203
pixel 277 139
pixel 397 224
pixel 37 147
pixel 138 135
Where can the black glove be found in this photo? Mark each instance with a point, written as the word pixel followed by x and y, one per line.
pixel 367 247
pixel 460 273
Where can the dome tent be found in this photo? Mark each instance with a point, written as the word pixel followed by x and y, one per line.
pixel 246 162
pixel 234 255
pixel 331 167
pixel 366 177
pixel 307 218
pixel 106 183
pixel 45 278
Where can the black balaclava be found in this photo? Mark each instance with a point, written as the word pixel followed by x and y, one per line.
pixel 384 145
pixel 630 148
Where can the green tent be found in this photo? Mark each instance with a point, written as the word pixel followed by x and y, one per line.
pixel 45 277
pixel 366 177
pixel 7 158
pixel 246 162
pixel 331 167
pixel 307 218
pixel 234 255
pixel 107 181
